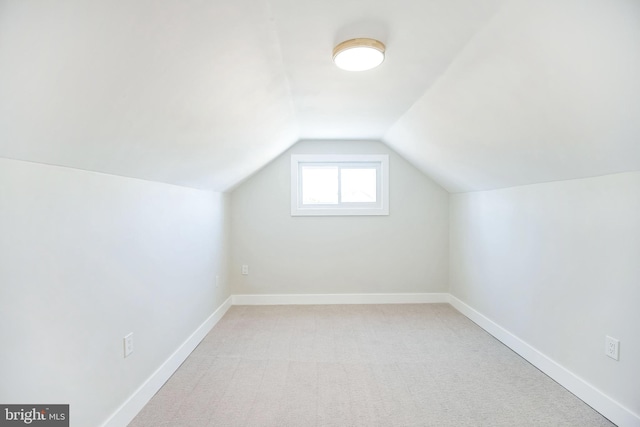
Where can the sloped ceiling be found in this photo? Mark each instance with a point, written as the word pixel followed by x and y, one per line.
pixel 546 91
pixel 478 94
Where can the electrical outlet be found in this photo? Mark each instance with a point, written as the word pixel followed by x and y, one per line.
pixel 217 281
pixel 612 348
pixel 245 269
pixel 128 344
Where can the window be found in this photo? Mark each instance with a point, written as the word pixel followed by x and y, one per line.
pixel 339 185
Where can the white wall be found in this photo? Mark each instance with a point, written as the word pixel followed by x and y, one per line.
pixel 86 258
pixel 558 265
pixel 406 251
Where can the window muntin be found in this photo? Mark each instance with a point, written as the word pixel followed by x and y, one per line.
pixel 339 185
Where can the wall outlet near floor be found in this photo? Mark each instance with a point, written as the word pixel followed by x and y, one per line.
pixel 128 344
pixel 612 348
pixel 217 281
pixel 245 269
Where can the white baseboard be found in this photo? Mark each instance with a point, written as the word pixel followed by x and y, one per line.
pixel 322 299
pixel 593 397
pixel 130 408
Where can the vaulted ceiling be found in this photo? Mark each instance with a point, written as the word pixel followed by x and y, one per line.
pixel 479 94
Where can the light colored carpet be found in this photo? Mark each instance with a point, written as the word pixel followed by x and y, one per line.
pixel 358 365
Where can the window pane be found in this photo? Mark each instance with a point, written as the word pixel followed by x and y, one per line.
pixel 319 185
pixel 358 185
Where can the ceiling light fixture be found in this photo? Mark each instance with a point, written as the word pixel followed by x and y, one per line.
pixel 358 54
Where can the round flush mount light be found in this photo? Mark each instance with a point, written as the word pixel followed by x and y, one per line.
pixel 358 54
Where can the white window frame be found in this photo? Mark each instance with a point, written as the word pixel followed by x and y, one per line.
pixel 380 207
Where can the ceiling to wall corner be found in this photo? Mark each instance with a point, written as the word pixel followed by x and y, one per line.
pixel 477 94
